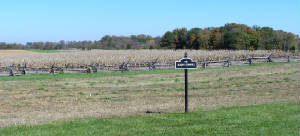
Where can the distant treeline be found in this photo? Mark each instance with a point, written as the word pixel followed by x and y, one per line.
pixel 230 36
pixel 107 42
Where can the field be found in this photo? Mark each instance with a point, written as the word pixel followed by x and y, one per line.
pixel 117 57
pixel 236 100
pixel 34 99
pixel 149 68
pixel 43 51
pixel 270 119
pixel 14 52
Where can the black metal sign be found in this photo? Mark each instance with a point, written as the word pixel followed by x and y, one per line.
pixel 185 63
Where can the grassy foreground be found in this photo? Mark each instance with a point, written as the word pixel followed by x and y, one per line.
pixel 269 119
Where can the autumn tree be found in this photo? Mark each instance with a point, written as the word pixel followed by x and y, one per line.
pixel 180 38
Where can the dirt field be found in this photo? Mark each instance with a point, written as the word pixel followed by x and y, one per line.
pixel 14 52
pixel 35 101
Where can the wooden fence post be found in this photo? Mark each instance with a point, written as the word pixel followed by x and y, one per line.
pixel 250 60
pixel 228 62
pixel 89 70
pixel 23 71
pixel 11 72
pixel 94 68
pixel 151 65
pixel 61 70
pixel 269 59
pixel 52 71
pixel 124 66
pixel 204 63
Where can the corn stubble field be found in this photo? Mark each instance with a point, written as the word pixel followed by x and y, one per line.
pixel 116 57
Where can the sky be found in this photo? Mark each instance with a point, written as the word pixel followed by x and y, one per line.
pixel 24 21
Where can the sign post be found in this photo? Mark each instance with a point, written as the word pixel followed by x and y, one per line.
pixel 186 63
pixel 186 91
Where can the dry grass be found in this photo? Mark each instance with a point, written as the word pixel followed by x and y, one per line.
pixel 116 57
pixel 14 52
pixel 30 102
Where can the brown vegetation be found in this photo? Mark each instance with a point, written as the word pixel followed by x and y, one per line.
pixel 117 57
pixel 14 52
pixel 30 102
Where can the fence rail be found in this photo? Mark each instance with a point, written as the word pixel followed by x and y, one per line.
pixel 18 70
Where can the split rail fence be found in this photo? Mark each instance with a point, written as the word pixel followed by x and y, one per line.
pixel 18 70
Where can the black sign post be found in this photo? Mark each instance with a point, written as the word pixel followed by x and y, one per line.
pixel 186 63
pixel 186 91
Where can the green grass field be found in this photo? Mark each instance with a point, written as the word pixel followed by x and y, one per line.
pixel 268 119
pixel 43 51
pixel 261 99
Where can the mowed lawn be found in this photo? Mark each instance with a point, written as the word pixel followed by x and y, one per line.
pixel 267 119
pixel 39 99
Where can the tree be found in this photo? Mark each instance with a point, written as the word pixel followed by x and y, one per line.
pixel 215 39
pixel 128 46
pixel 167 41
pixel 254 39
pixel 236 37
pixel 180 38
pixel 267 36
pixel 61 45
pixel 3 45
pixel 230 36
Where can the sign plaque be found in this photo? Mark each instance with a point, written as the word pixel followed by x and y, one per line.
pixel 186 63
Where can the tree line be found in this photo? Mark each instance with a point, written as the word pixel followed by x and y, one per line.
pixel 230 36
pixel 106 42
